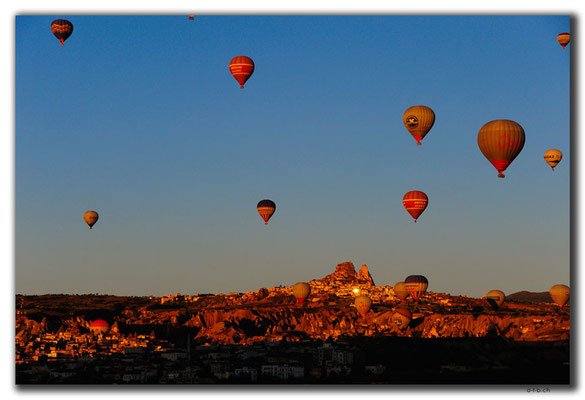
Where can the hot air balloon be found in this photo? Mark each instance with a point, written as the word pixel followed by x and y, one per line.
pixel 99 326
pixel 266 208
pixel 401 317
pixel 62 29
pixel 363 304
pixel 418 121
pixel 400 291
pixel 416 286
pixel 501 141
pixel 564 39
pixel 415 203
pixel 559 294
pixel 301 291
pixel 241 67
pixel 495 298
pixel 191 17
pixel 553 157
pixel 90 218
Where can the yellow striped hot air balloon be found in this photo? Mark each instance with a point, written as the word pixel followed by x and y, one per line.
pixel 418 121
pixel 564 39
pixel 501 141
pixel 560 294
pixel 553 157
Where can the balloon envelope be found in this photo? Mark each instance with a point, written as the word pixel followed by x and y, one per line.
pixel 90 218
pixel 553 157
pixel 400 291
pixel 418 121
pixel 62 29
pixel 301 291
pixel 415 203
pixel 501 141
pixel 495 298
pixel 560 294
pixel 564 39
pixel 266 209
pixel 363 304
pixel 241 68
pixel 416 285
pixel 401 317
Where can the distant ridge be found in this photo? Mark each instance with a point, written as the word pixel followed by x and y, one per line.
pixel 530 297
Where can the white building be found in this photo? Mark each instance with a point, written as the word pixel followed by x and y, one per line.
pixel 284 371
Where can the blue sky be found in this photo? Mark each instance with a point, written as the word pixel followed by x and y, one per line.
pixel 139 119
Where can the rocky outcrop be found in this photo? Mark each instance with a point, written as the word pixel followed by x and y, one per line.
pixel 345 275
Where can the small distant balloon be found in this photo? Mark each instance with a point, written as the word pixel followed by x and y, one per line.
pixel 90 218
pixel 363 304
pixel 418 121
pixel 495 298
pixel 400 291
pixel 553 157
pixel 564 39
pixel 241 68
pixel 416 285
pixel 62 29
pixel 191 17
pixel 501 141
pixel 560 294
pixel 415 203
pixel 301 291
pixel 266 209
pixel 401 317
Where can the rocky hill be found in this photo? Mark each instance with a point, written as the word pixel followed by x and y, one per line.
pixel 271 314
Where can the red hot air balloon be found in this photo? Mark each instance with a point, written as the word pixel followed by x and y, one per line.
pixel 266 209
pixel 62 29
pixel 416 285
pixel 242 68
pixel 415 203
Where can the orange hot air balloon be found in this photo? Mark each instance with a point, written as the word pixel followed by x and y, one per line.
pixel 560 294
pixel 301 291
pixel 553 157
pixel 501 141
pixel 418 121
pixel 242 68
pixel 401 317
pixel 400 291
pixel 495 298
pixel 363 304
pixel 90 218
pixel 191 17
pixel 564 39
pixel 266 208
pixel 415 203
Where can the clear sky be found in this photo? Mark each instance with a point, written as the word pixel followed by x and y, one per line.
pixel 139 119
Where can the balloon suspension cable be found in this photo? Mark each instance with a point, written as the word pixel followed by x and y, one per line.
pixel 266 223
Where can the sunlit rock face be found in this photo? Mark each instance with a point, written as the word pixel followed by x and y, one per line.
pixel 345 275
